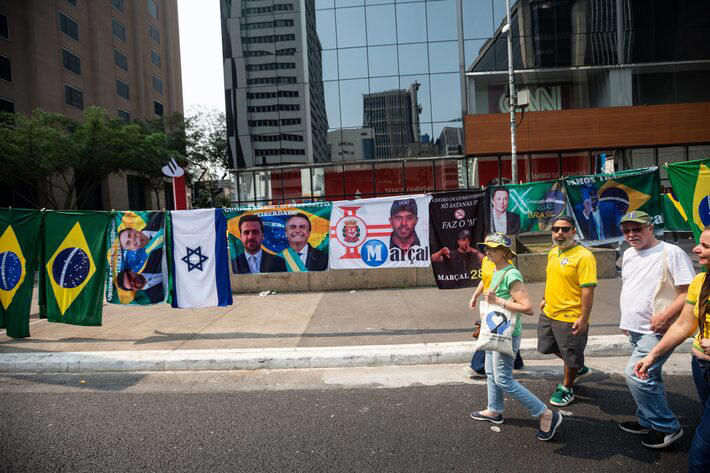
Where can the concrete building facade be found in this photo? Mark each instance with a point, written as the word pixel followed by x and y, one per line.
pixel 66 55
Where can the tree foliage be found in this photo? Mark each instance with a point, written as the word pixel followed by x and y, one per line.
pixel 52 161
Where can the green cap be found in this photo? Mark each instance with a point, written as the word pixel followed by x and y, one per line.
pixel 638 216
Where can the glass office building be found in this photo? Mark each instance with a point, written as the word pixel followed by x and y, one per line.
pixel 339 99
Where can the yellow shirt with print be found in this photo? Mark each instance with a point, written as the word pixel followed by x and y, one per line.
pixel 568 271
pixel 488 267
pixel 693 298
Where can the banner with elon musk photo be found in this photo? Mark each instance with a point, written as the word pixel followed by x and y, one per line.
pixel 280 238
pixel 384 232
pixel 520 208
pixel 137 268
pixel 457 221
pixel 599 201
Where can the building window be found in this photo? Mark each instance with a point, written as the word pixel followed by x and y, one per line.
pixel 71 62
pixel 124 115
pixel 153 9
pixel 5 68
pixel 122 88
pixel 158 84
pixel 118 30
pixel 155 57
pixel 158 108
pixel 68 26
pixel 136 192
pixel 120 59
pixel 7 106
pixel 4 29
pixel 118 5
pixel 73 97
pixel 154 33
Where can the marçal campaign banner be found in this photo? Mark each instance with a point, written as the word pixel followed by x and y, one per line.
pixel 519 208
pixel 385 232
pixel 599 201
pixel 457 221
pixel 137 269
pixel 274 239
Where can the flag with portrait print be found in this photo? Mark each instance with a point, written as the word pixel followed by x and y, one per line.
pixel 286 231
pixel 599 201
pixel 137 269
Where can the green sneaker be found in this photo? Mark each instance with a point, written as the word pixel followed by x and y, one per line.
pixel 562 396
pixel 583 371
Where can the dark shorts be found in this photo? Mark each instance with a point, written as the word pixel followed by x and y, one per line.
pixel 554 336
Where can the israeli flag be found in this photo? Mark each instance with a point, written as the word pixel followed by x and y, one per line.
pixel 199 258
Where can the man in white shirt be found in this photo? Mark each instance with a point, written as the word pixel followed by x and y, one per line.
pixel 642 271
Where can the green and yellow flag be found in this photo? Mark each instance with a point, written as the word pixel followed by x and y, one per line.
pixel 74 265
pixel 19 246
pixel 691 184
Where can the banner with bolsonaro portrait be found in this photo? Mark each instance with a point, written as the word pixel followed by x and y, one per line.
pixel 599 201
pixel 384 232
pixel 520 208
pixel 137 268
pixel 281 238
pixel 457 221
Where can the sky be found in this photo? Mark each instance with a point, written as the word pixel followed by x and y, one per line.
pixel 201 54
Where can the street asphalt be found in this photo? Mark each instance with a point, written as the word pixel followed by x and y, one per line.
pixel 404 418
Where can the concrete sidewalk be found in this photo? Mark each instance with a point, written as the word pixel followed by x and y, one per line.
pixel 322 329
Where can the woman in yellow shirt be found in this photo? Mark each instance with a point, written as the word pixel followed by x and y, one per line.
pixel 695 316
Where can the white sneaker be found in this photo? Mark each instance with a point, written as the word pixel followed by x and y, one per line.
pixel 471 373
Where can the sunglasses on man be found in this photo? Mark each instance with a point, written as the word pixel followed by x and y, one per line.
pixel 633 229
pixel 561 229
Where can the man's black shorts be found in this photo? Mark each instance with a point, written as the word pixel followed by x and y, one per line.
pixel 554 336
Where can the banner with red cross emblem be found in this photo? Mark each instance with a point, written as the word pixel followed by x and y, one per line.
pixel 386 232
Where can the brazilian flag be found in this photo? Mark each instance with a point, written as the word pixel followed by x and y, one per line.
pixel 674 217
pixel 19 246
pixel 74 265
pixel 599 201
pixel 691 184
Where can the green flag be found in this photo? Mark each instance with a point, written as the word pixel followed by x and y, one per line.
pixel 74 263
pixel 19 246
pixel 674 219
pixel 519 208
pixel 691 184
pixel 599 201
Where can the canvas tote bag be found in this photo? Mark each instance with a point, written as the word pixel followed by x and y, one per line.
pixel 665 291
pixel 497 326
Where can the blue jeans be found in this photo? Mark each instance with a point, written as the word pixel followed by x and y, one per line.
pixel 478 362
pixel 650 394
pixel 699 455
pixel 499 374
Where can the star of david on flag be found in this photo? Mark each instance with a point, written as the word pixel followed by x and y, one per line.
pixel 188 258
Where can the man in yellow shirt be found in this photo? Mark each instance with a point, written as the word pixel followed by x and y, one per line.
pixel 564 318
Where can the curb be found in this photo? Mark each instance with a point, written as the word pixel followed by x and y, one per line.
pixel 282 358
